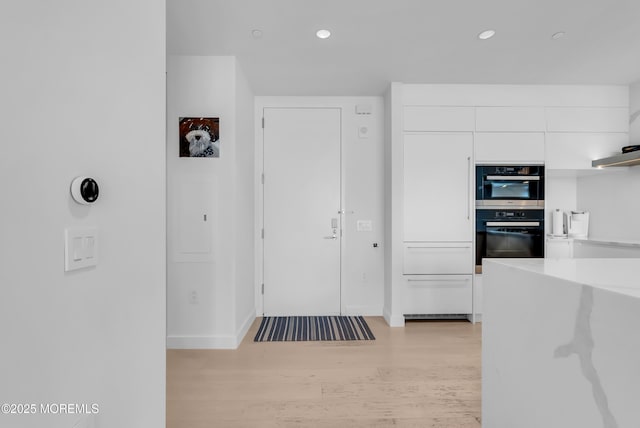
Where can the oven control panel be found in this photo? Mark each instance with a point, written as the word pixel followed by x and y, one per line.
pixel 510 214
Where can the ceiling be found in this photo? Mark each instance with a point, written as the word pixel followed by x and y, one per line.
pixel 375 42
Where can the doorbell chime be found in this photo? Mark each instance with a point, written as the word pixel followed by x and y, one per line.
pixel 84 190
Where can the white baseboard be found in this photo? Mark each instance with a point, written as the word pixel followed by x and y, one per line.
pixel 393 320
pixel 367 311
pixel 244 328
pixel 202 342
pixel 212 342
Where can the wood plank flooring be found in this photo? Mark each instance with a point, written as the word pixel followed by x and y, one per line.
pixel 426 374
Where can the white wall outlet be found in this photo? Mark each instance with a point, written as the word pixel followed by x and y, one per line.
pixel 80 248
pixel 193 297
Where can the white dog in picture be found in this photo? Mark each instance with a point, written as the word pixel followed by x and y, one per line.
pixel 200 144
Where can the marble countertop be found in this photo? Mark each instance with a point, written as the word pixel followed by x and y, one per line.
pixel 620 276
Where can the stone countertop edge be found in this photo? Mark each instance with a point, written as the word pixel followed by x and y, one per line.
pixel 603 241
pixel 596 241
pixel 619 276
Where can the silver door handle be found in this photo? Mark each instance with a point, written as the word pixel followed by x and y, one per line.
pixel 513 177
pixel 513 223
pixel 331 237
pixel 440 248
pixel 469 188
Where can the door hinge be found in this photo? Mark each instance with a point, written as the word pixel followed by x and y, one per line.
pixel 262 178
pixel 262 288
pixel 263 123
pixel 262 234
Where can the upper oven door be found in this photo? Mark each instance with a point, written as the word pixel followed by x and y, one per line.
pixel 521 186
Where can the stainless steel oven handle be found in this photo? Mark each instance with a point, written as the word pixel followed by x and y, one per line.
pixel 440 248
pixel 513 223
pixel 514 177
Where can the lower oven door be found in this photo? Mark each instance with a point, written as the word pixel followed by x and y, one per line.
pixel 514 239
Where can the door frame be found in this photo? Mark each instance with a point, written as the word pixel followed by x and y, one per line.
pixel 294 103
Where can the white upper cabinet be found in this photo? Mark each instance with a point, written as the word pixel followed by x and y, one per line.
pixel 587 119
pixel 574 151
pixel 424 118
pixel 510 119
pixel 509 147
pixel 437 187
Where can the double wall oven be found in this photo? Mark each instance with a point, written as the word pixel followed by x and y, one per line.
pixel 509 211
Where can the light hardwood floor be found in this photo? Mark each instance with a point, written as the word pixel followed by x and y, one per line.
pixel 426 374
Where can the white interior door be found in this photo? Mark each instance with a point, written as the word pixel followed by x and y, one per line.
pixel 301 211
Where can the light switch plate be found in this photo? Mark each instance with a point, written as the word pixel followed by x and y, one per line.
pixel 80 248
pixel 363 109
pixel 364 225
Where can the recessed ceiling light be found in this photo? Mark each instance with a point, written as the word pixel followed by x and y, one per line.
pixel 558 35
pixel 323 34
pixel 256 34
pixel 487 34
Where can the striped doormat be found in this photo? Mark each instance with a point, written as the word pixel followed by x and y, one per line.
pixel 299 329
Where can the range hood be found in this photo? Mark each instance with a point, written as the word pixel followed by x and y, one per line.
pixel 624 159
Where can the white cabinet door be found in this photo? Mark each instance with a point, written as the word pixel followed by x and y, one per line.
pixel 510 119
pixel 577 150
pixel 509 147
pixel 424 118
pixel 437 187
pixel 195 220
pixel 425 258
pixel 587 119
pixel 558 248
pixel 438 294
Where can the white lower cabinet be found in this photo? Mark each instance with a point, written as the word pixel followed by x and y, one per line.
pixel 433 258
pixel 559 248
pixel 438 294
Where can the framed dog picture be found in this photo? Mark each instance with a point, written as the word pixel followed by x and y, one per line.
pixel 199 137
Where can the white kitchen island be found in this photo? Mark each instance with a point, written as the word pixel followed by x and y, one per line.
pixel 561 343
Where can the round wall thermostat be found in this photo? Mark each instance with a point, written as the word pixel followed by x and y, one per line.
pixel 84 190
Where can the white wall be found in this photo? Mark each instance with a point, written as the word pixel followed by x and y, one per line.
pixel 244 213
pixel 634 112
pixel 363 198
pixel 612 197
pixel 210 293
pixel 394 222
pixel 83 92
pixel 560 193
pixel 613 203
